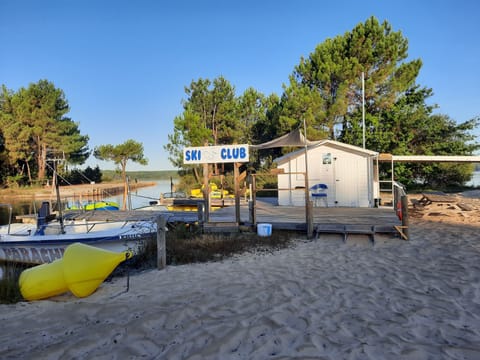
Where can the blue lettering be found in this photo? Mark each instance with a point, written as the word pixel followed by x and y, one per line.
pixel 235 153
pixel 193 155
pixel 198 155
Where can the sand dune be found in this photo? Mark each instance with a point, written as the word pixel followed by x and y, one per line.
pixel 318 300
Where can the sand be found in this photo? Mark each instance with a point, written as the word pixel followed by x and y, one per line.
pixel 321 299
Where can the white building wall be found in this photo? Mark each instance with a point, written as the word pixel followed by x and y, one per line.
pixel 348 175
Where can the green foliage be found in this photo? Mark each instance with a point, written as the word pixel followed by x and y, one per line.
pixel 443 176
pixel 120 155
pixel 188 181
pixel 328 72
pixel 83 176
pixel 324 89
pixel 214 115
pixel 208 118
pixel 130 150
pixel 143 175
pixel 398 119
pixel 410 128
pixel 15 181
pixel 334 70
pixel 33 124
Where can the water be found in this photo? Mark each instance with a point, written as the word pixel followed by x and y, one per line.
pixel 475 182
pixel 140 197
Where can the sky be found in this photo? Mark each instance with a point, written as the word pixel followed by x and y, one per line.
pixel 124 65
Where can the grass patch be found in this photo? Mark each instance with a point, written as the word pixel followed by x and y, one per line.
pixel 214 247
pixel 185 245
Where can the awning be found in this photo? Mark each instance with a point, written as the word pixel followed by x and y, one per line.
pixel 294 139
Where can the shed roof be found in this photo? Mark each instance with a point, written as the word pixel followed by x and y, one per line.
pixel 329 143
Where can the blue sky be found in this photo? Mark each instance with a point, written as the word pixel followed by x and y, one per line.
pixel 123 65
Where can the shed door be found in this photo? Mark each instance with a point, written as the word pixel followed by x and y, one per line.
pixel 346 181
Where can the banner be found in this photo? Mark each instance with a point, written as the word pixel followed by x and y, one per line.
pixel 216 154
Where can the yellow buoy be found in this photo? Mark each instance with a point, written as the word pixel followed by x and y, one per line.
pixel 81 270
pixel 43 281
pixel 85 267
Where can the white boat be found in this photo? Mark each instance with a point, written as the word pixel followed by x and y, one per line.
pixel 154 206
pixel 45 242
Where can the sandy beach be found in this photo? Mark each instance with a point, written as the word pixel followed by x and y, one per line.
pixel 320 299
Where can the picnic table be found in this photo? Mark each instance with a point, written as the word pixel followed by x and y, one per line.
pixel 428 199
pixel 440 198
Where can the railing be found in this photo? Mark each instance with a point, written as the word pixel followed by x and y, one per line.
pixel 398 192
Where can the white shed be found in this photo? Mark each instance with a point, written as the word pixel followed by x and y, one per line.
pixel 350 173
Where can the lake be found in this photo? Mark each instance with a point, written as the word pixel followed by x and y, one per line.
pixel 142 196
pixel 475 182
pixel 139 197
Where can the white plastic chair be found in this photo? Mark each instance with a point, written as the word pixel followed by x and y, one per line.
pixel 319 193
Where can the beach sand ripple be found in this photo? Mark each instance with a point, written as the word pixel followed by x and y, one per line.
pixel 321 299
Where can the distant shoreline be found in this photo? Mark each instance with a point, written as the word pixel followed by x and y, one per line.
pixel 47 192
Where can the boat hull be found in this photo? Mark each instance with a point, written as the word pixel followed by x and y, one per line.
pixel 39 249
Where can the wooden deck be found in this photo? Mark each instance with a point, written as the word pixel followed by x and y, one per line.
pixel 339 220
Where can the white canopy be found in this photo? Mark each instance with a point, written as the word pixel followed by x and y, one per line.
pixel 294 138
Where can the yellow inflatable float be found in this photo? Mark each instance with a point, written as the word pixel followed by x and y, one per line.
pixel 43 281
pixel 81 270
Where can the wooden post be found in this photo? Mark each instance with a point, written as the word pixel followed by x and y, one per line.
pixel 401 207
pixel 236 174
pixel 206 192
pixel 308 207
pixel 404 200
pixel 310 219
pixel 201 212
pixel 161 243
pixel 254 200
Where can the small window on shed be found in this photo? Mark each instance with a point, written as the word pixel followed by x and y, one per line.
pixel 327 158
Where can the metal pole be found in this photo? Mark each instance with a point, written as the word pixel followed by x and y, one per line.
pixel 161 243
pixel 363 107
pixel 59 201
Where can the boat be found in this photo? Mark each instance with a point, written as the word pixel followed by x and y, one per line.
pixel 215 192
pixel 154 206
pixel 46 241
pixel 97 205
pixel 101 205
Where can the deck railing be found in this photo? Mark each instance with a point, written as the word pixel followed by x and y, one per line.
pixel 398 192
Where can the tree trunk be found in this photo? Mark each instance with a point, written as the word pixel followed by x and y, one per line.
pixel 41 160
pixel 196 174
pixel 29 172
